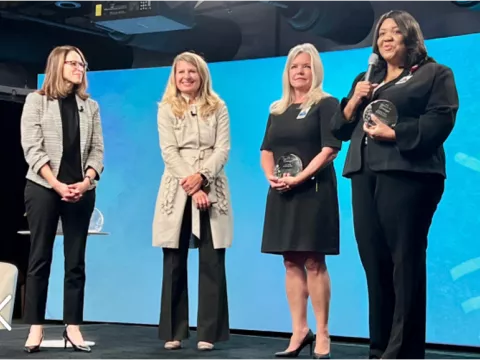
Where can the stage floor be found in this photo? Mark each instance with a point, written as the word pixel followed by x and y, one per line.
pixel 131 341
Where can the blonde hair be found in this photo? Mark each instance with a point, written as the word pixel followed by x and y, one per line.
pixel 55 86
pixel 315 94
pixel 207 100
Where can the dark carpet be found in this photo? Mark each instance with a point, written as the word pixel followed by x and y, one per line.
pixel 130 341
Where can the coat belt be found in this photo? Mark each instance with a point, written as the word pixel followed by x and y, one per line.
pixel 197 154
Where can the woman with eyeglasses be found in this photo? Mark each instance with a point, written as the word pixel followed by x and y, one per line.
pixel 62 140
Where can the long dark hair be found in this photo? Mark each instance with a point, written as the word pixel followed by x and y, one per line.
pixel 412 37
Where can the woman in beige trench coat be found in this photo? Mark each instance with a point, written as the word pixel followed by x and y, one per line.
pixel 193 206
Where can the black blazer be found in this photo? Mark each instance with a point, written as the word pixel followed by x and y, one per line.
pixel 427 105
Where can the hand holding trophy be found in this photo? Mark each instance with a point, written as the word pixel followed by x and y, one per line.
pixel 380 118
pixel 289 164
pixel 286 171
pixel 384 110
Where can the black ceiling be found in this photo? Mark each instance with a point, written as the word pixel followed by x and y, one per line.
pixel 224 30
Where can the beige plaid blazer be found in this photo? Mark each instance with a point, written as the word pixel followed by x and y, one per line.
pixel 42 136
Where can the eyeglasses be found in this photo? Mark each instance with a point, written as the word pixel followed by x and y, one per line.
pixel 77 64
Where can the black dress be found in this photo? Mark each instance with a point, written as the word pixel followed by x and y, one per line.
pixel 305 218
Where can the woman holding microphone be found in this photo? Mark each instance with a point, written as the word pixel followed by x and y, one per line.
pixel 397 122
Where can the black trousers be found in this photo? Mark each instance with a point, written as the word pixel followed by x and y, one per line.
pixel 213 317
pixel 44 208
pixel 393 212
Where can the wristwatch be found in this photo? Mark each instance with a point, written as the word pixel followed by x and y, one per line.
pixel 205 180
pixel 90 180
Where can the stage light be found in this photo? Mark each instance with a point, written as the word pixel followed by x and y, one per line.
pixel 68 4
pixel 469 4
pixel 331 20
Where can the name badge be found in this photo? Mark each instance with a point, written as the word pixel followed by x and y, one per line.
pixel 303 113
pixel 403 80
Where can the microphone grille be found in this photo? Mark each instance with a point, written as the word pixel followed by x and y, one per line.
pixel 373 59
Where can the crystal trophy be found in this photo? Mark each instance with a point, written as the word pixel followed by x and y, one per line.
pixel 288 164
pixel 96 222
pixel 384 110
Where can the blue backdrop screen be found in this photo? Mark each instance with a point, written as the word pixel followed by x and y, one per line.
pixel 124 271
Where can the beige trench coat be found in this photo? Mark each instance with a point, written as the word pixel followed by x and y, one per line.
pixel 188 145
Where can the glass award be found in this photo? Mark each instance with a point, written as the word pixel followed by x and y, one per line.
pixel 96 221
pixel 288 164
pixel 384 110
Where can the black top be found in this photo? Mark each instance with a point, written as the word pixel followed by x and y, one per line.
pixel 70 171
pixel 305 137
pixel 427 104
pixel 305 218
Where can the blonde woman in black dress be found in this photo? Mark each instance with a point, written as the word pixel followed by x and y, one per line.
pixel 302 217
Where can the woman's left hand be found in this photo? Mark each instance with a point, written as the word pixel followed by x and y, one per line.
pixel 289 181
pixel 379 130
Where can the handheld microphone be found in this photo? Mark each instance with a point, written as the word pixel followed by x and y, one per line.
pixel 372 62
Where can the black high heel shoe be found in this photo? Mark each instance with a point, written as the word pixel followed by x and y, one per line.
pixel 307 340
pixel 33 348
pixel 84 348
pixel 321 356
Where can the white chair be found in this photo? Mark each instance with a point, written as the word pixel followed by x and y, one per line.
pixel 8 288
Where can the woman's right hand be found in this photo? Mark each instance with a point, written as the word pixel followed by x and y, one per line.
pixel 363 89
pixel 201 200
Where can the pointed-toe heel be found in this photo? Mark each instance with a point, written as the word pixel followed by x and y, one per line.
pixel 204 346
pixel 321 356
pixel 33 348
pixel 173 345
pixel 307 340
pixel 82 348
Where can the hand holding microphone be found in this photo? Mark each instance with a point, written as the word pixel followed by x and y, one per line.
pixel 363 90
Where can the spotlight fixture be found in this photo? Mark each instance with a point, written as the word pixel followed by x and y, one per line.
pixel 473 5
pixel 68 4
pixel 329 19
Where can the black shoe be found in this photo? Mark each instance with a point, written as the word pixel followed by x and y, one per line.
pixel 321 356
pixel 33 348
pixel 84 348
pixel 307 340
